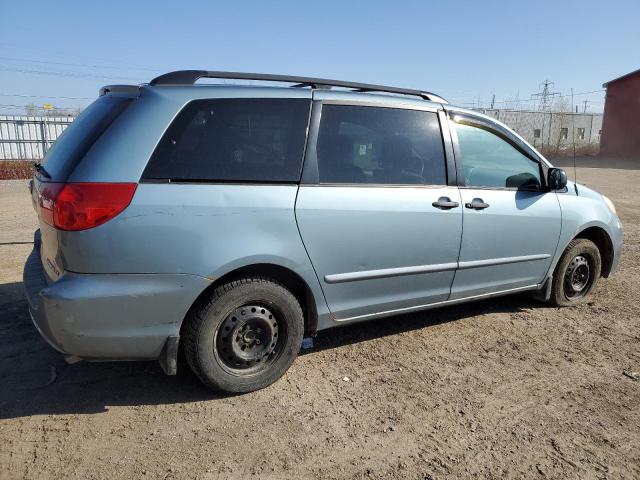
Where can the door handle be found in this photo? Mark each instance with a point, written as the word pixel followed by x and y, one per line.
pixel 445 203
pixel 476 204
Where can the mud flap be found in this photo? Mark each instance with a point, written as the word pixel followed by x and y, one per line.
pixel 168 358
pixel 544 294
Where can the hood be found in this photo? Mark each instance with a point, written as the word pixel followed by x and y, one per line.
pixel 583 190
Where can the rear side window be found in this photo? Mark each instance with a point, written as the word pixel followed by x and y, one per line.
pixel 78 138
pixel 375 145
pixel 236 140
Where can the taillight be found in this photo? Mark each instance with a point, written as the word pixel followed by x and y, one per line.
pixel 79 206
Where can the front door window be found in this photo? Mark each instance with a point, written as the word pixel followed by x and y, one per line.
pixel 490 161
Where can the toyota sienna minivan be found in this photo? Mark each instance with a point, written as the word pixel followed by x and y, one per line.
pixel 229 222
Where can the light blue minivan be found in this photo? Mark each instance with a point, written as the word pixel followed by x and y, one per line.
pixel 228 222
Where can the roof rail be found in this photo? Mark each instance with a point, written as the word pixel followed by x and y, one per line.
pixel 189 77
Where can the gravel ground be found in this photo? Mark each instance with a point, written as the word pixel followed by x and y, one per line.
pixel 505 388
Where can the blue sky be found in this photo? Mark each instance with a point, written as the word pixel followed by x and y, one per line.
pixel 465 51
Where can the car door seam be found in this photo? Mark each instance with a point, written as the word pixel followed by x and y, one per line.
pixel 304 246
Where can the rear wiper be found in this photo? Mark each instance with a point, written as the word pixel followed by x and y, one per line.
pixel 41 170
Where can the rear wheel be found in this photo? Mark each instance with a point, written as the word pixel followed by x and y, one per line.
pixel 576 273
pixel 246 336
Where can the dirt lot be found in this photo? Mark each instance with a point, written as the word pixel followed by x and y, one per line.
pixel 506 388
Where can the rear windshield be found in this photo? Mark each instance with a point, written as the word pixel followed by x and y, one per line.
pixel 233 140
pixel 78 138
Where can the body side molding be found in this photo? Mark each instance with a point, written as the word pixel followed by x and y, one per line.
pixel 418 269
pixel 388 272
pixel 501 261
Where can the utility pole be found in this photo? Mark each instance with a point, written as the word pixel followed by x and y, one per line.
pixel 545 96
pixel 493 100
pixel 585 102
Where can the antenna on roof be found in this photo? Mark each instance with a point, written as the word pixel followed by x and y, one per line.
pixel 573 141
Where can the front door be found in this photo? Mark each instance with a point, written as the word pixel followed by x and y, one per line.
pixel 380 224
pixel 511 224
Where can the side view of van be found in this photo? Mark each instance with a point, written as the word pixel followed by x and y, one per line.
pixel 228 222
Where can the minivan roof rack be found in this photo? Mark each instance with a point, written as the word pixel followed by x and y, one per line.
pixel 189 77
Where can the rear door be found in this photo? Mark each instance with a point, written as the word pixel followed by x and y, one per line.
pixel 380 223
pixel 511 222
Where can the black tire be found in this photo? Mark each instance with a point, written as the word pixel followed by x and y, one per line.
pixel 245 336
pixel 576 274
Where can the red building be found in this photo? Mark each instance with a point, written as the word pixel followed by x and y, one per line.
pixel 621 122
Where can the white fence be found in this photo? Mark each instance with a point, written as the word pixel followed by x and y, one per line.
pixel 25 137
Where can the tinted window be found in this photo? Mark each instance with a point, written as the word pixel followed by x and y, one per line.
pixel 233 140
pixel 380 146
pixel 490 161
pixel 78 138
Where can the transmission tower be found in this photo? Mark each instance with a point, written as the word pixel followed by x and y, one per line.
pixel 545 96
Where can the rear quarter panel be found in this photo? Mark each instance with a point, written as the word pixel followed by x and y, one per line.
pixel 198 229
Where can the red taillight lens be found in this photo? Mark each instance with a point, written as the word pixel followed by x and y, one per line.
pixel 79 206
pixel 47 193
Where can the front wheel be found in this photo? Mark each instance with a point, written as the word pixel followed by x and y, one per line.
pixel 245 337
pixel 576 273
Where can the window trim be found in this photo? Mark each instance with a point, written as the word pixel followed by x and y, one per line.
pixel 204 181
pixel 369 103
pixel 564 133
pixel 503 134
pixel 310 171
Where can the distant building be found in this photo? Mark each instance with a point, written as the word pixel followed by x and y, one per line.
pixel 554 133
pixel 621 123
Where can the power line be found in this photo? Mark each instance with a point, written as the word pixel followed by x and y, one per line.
pixel 525 101
pixel 13 59
pixel 546 95
pixel 20 95
pixel 67 55
pixel 67 74
pixel 26 106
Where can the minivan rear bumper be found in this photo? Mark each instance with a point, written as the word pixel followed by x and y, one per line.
pixel 108 316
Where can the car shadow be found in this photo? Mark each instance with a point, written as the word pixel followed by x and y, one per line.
pixel 36 380
pixel 387 326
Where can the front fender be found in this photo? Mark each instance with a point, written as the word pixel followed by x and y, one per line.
pixel 583 211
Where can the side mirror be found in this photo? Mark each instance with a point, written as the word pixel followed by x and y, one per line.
pixel 557 179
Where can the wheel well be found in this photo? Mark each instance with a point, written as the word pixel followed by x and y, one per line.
pixel 287 277
pixel 600 237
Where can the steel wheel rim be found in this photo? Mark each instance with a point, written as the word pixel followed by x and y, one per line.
pixel 247 339
pixel 577 277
